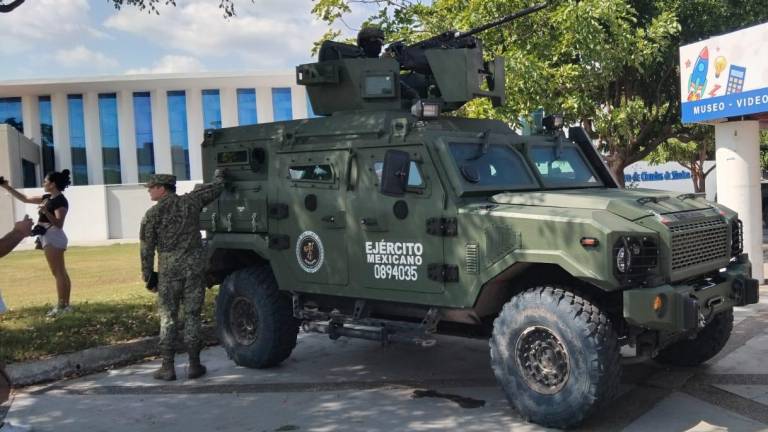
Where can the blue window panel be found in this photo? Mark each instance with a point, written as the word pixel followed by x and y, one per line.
pixel 281 104
pixel 310 111
pixel 46 133
pixel 246 107
pixel 211 109
pixel 145 147
pixel 10 112
pixel 177 125
pixel 110 138
pixel 77 139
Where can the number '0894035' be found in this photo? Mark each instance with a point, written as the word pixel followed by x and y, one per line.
pixel 401 273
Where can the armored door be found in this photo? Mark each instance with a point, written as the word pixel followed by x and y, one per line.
pixel 389 243
pixel 240 209
pixel 308 214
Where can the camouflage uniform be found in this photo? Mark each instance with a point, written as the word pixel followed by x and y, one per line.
pixel 172 227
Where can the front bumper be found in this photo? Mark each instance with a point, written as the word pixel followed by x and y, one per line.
pixel 691 305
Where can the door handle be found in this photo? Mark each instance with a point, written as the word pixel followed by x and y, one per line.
pixel 329 219
pixel 368 221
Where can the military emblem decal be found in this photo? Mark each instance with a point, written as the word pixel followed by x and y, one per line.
pixel 309 252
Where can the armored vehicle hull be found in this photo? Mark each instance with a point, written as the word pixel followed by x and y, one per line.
pixel 525 240
pixel 389 221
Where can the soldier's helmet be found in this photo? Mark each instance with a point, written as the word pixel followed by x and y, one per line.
pixel 161 180
pixel 370 39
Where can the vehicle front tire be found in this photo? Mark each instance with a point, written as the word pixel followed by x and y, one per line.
pixel 556 356
pixel 705 345
pixel 254 320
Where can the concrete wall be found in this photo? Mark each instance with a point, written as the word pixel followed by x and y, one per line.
pixel 96 213
pixel 126 205
pixel 16 146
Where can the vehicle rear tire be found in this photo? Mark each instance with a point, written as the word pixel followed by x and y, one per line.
pixel 556 356
pixel 254 320
pixel 707 343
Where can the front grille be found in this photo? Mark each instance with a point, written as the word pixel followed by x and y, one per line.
pixel 699 243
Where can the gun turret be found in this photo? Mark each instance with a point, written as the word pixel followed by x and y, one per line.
pixel 447 70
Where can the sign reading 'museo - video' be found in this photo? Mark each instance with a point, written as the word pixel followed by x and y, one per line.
pixel 725 76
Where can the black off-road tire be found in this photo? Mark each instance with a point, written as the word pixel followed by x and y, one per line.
pixel 581 333
pixel 707 343
pixel 254 320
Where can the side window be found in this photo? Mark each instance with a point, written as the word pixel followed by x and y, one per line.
pixel 415 179
pixel 310 172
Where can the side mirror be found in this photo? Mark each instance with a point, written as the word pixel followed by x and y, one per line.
pixel 394 173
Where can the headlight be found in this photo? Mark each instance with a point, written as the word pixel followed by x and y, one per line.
pixel 624 257
pixel 634 258
pixel 737 237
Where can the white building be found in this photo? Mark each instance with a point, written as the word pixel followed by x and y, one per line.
pixel 119 130
pixel 113 132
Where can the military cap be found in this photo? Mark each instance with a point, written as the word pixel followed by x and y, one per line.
pixel 161 180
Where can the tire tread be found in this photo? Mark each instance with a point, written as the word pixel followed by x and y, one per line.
pixel 599 329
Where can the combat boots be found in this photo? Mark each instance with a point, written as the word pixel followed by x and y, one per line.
pixel 167 371
pixel 196 369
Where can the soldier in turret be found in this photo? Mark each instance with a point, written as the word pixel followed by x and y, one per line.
pixel 370 39
pixel 172 227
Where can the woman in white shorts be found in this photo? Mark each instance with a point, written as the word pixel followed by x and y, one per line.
pixel 53 207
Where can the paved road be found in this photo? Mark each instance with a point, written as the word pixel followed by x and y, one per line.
pixel 353 385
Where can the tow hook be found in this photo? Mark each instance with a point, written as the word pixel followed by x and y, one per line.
pixel 710 307
pixel 715 301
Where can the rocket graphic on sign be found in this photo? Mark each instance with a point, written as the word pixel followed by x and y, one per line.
pixel 697 83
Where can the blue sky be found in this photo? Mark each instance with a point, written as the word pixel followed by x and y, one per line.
pixel 82 38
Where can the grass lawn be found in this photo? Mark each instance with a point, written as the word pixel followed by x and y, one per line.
pixel 110 301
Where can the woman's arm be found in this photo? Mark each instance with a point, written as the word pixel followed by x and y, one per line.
pixel 20 196
pixel 57 217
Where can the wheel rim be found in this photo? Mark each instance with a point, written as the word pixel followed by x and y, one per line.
pixel 542 359
pixel 244 321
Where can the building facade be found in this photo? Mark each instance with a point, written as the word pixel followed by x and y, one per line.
pixel 120 130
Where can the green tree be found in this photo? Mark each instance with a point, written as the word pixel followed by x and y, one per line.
pixel 690 150
pixel 611 65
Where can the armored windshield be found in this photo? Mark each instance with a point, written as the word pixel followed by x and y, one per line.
pixel 503 167
pixel 561 167
pixel 492 168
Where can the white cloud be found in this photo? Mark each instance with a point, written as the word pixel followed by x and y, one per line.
pixel 41 36
pixel 35 24
pixel 171 64
pixel 269 33
pixel 80 55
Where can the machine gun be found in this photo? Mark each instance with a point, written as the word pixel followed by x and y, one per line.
pixel 413 58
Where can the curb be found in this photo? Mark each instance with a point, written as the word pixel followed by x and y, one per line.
pixel 90 360
pixel 81 362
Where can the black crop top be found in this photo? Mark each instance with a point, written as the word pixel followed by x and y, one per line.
pixel 52 204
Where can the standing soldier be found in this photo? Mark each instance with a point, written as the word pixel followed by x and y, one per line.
pixel 172 227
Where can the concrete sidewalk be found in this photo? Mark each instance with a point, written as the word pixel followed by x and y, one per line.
pixel 354 385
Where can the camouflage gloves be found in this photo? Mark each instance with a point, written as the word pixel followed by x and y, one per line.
pixel 152 282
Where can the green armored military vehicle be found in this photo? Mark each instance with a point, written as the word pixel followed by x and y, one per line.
pixel 386 219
